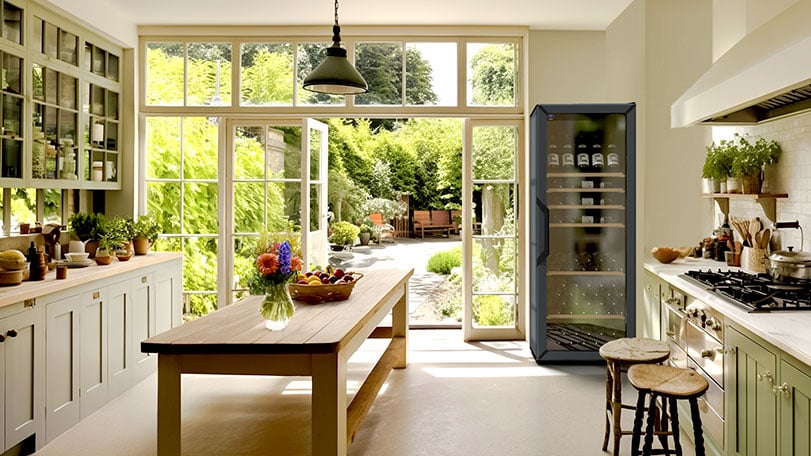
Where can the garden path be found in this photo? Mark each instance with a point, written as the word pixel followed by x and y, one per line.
pixel 403 252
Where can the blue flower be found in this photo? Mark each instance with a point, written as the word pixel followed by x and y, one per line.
pixel 284 258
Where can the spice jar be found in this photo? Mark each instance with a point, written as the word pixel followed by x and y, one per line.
pixel 97 171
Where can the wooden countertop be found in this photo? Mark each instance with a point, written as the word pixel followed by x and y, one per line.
pixel 785 329
pixel 315 328
pixel 77 277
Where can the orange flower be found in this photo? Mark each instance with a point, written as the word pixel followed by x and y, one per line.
pixel 295 264
pixel 267 263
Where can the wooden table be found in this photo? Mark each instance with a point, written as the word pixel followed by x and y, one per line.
pixel 317 342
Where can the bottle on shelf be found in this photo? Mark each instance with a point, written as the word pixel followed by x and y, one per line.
pixel 568 156
pixel 553 158
pixel 597 156
pixel 582 157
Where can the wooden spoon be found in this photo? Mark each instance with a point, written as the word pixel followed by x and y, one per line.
pixel 766 238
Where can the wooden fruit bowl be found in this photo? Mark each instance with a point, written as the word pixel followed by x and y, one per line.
pixel 324 292
pixel 664 254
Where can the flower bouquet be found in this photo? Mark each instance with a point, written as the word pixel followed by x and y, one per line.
pixel 275 268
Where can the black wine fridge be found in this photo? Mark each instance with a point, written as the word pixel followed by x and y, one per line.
pixel 581 228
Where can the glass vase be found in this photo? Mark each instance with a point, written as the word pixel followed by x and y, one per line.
pixel 277 308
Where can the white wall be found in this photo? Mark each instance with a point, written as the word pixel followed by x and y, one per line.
pixel 566 67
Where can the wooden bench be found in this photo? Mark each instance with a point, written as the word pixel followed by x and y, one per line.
pixel 423 221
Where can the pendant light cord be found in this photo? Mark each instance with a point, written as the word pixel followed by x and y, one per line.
pixel 336 29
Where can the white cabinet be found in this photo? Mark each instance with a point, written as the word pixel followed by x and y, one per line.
pixel 93 373
pixel 143 324
pixel 21 388
pixel 62 384
pixel 119 339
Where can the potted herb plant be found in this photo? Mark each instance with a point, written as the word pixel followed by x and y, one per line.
pixel 146 231
pixel 122 232
pixel 365 234
pixel 717 167
pixel 750 160
pixel 343 234
pixel 88 228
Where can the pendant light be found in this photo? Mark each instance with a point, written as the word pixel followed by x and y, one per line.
pixel 335 75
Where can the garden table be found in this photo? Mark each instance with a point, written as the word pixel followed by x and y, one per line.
pixel 317 342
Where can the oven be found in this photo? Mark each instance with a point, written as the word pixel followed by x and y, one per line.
pixel 695 333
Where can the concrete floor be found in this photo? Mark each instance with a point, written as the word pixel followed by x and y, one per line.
pixel 455 398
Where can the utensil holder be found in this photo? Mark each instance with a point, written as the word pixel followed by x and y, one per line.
pixel 752 260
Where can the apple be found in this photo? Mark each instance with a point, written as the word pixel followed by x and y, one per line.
pixel 338 273
pixel 302 282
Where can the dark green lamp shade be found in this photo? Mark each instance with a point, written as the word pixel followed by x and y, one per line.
pixel 335 75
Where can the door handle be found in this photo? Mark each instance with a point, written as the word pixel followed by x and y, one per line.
pixel 543 224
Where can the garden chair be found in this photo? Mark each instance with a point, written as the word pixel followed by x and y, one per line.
pixel 386 231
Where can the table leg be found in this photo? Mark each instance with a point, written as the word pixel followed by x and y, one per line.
pixel 399 327
pixel 168 405
pixel 329 434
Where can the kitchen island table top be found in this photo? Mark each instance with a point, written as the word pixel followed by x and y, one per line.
pixel 317 342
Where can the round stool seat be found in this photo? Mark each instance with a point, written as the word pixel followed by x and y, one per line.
pixel 620 354
pixel 633 350
pixel 667 380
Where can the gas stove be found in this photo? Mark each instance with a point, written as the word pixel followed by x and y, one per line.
pixel 754 292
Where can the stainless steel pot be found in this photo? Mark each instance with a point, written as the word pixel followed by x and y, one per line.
pixel 789 266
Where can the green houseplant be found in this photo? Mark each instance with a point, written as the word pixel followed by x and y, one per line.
pixel 751 158
pixel 343 233
pixel 146 231
pixel 88 228
pixel 365 234
pixel 717 165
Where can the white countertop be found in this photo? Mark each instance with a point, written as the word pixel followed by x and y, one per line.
pixel 788 330
pixel 76 277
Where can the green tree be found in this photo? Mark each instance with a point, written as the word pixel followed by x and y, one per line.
pixel 494 75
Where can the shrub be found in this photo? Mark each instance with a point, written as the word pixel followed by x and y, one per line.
pixel 443 262
pixel 343 233
pixel 491 311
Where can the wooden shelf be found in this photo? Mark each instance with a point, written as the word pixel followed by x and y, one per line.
pixel 768 201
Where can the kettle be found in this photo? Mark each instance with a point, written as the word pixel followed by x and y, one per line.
pixel 776 242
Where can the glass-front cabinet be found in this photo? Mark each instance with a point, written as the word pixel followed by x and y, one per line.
pixel 60 128
pixel 582 242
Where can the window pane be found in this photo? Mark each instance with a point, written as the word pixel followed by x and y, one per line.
pixel 209 79
pixel 23 207
pixel 494 265
pixel 12 23
pixel 431 74
pixel 67 91
pixel 494 310
pixel 381 64
pixel 163 147
pixel 67 125
pixel 249 153
pixel 266 74
pixel 200 273
pixel 12 67
pixel 164 74
pixel 199 148
pixel 200 208
pixel 49 44
pixel 492 74
pixel 163 203
pixel 38 83
pixel 53 205
pixel 315 155
pixel 249 207
pixel 494 152
pixel 310 55
pixel 284 206
pixel 284 152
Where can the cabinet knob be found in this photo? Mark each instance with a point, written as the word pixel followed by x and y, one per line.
pixel 12 333
pixel 2 338
pixel 767 376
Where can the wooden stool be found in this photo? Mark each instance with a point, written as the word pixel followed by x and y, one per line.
pixel 672 384
pixel 620 354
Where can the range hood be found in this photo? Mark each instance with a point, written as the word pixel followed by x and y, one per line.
pixel 765 76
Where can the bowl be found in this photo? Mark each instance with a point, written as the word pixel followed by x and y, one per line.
pixel 13 265
pixel 76 257
pixel 664 254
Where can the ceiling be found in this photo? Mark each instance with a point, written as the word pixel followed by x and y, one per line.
pixel 537 14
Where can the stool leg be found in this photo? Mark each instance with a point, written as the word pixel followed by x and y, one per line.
pixel 616 403
pixel 663 437
pixel 608 408
pixel 640 410
pixel 646 450
pixel 698 435
pixel 674 417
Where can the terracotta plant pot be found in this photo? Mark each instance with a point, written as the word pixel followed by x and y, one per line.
pixel 141 246
pixel 90 247
pixel 751 184
pixel 103 260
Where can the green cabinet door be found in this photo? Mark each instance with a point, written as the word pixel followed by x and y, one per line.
pixel 752 401
pixel 794 392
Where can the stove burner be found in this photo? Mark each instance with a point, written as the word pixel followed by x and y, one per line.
pixel 755 292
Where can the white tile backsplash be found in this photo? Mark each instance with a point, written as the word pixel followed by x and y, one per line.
pixel 792 175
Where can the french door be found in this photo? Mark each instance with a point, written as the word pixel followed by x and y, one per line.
pixel 276 181
pixel 491 226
